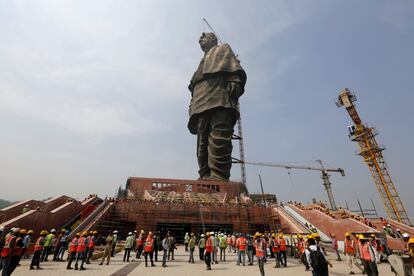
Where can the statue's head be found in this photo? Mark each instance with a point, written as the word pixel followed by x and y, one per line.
pixel 207 41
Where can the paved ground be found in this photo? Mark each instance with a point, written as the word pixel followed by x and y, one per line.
pixel 182 268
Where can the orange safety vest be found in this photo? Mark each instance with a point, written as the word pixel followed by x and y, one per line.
pixel 260 252
pixel 148 244
pixel 6 249
pixel 349 247
pixel 91 243
pixel 229 241
pixel 139 242
pixel 241 243
pixel 365 254
pixel 275 247
pixel 73 245
pixel 282 245
pixel 301 247
pixel 209 245
pixel 18 250
pixel 81 245
pixel 38 245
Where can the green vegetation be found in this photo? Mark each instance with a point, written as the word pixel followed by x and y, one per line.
pixel 5 203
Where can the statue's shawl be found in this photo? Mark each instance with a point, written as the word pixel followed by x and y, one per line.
pixel 219 59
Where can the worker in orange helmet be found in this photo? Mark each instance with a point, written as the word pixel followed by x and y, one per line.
pixel 149 249
pixel 73 245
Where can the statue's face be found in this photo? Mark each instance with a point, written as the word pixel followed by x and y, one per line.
pixel 207 41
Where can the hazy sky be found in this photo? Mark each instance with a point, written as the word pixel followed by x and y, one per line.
pixel 92 92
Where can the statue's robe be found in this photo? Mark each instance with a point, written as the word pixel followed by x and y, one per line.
pixel 208 85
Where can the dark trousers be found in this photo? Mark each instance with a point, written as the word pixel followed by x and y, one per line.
pixel 304 260
pixel 36 259
pixel 261 261
pixel 113 249
pixel 186 246
pixel 171 254
pixel 139 252
pixel 7 266
pixel 55 256
pixel 15 260
pixel 370 268
pixel 156 254
pixel 80 256
pixel 46 252
pixel 72 257
pixel 272 254
pixel 201 253
pixel 207 259
pixel 223 254
pixel 151 255
pixel 282 258
pixel 323 272
pixel 127 254
pixel 89 255
pixel 277 259
pixel 214 142
pixel 164 257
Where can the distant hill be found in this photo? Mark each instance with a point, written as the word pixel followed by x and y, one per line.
pixel 4 203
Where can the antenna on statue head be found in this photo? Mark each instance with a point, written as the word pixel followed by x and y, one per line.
pixel 212 30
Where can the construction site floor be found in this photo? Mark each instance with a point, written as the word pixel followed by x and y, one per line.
pixel 181 267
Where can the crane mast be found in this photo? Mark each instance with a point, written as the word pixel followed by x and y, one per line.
pixel 372 154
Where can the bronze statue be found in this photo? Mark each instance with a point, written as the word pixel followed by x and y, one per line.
pixel 215 89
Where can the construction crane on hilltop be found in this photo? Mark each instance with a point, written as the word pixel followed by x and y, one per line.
pixel 322 169
pixel 372 154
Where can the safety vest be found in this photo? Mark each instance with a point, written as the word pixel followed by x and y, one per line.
pixel 229 241
pixel 365 254
pixel 148 244
pixel 17 251
pixel 73 245
pixel 140 242
pixel 301 247
pixel 38 245
pixel 6 249
pixel 241 244
pixel 91 243
pixel 349 247
pixel 81 245
pixel 275 246
pixel 209 245
pixel 260 252
pixel 282 244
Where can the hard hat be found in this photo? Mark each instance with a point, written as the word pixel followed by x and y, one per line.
pixel 300 236
pixel 78 234
pixel 202 235
pixel 208 234
pixel 2 229
pixel 373 236
pixel 309 237
pixel 280 235
pixel 16 230
pixel 53 231
pixel 84 233
pixel 115 232
pixel 130 234
pixel 398 230
pixel 23 231
pixel 30 232
pixel 95 232
pixel 135 231
pixel 257 235
pixel 405 235
pixel 27 205
pixel 347 234
pixel 411 240
pixel 362 237
pixel 90 232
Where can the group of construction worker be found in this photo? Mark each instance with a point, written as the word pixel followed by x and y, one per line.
pixel 81 248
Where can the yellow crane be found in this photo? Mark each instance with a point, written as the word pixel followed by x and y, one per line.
pixel 372 154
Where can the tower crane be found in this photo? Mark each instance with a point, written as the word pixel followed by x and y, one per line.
pixel 372 154
pixel 322 169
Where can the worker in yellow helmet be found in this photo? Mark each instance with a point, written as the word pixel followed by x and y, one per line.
pixel 350 251
pixel 410 247
pixel 368 256
pixel 282 250
pixel 260 245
